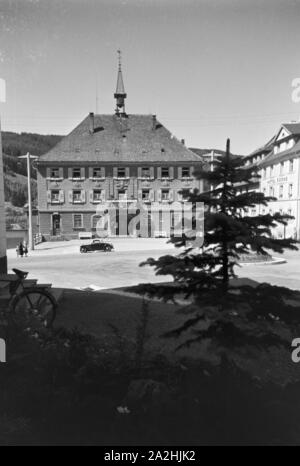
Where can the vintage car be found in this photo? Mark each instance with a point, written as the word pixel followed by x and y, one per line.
pixel 96 245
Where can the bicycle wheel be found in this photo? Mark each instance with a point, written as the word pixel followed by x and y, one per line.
pixel 34 309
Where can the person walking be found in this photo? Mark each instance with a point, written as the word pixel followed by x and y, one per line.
pixel 17 250
pixel 25 249
pixel 21 249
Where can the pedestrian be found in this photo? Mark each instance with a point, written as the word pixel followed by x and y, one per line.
pixel 17 250
pixel 25 249
pixel 21 249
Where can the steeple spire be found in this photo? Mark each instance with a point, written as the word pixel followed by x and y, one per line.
pixel 120 94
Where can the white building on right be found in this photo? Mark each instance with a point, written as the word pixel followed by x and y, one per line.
pixel 279 169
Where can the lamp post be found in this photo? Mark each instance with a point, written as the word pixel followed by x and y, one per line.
pixel 3 257
pixel 28 157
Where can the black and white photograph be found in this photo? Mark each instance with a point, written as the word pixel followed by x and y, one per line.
pixel 149 225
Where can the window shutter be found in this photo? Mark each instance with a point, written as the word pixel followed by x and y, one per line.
pixel 159 172
pixel 49 197
pixel 82 172
pixel 159 195
pixel 139 172
pixel 61 172
pixel 70 196
pixel 82 195
pixel 171 172
pixel 127 172
pixel 115 172
pixel 70 172
pixel 171 195
pixel 48 172
pixel 91 195
pixel 191 171
pixel 151 195
pixel 103 172
pixel 103 195
pixel 61 196
pixel 151 172
pixel 179 172
pixel 139 194
pixel 91 172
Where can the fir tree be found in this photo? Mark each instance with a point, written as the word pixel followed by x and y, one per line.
pixel 229 232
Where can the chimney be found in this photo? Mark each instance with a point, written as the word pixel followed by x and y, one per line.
pixel 92 123
pixel 183 142
pixel 153 122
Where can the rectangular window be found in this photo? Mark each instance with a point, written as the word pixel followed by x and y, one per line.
pixel 97 172
pixel 271 170
pixel 54 172
pixel 165 194
pixel 54 195
pixel 77 195
pixel 122 194
pixel 145 194
pixel 121 172
pixel 185 194
pixel 185 172
pixel 291 166
pixel 97 195
pixel 281 168
pixel 290 190
pixel 281 191
pixel 77 221
pixel 76 173
pixel 145 172
pixel 271 191
pixel 165 173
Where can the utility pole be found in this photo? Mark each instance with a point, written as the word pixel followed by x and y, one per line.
pixel 28 157
pixel 3 257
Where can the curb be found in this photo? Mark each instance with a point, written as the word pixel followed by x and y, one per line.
pixel 274 261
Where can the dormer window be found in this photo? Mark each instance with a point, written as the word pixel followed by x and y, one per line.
pixel 163 150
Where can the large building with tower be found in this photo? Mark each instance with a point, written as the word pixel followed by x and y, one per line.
pixel 118 159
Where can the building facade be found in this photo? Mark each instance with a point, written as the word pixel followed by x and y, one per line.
pixel 118 159
pixel 279 169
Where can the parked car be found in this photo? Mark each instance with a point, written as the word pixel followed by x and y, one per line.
pixel 96 245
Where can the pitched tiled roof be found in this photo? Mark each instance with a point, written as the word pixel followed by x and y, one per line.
pixel 293 128
pixel 136 138
pixel 293 152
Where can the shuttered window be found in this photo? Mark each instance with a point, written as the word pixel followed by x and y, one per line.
pixel 77 221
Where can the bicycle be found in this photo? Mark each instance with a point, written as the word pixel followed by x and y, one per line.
pixel 33 307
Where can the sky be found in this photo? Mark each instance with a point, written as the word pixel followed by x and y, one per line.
pixel 209 69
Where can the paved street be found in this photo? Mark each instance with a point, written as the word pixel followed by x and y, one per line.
pixel 63 265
